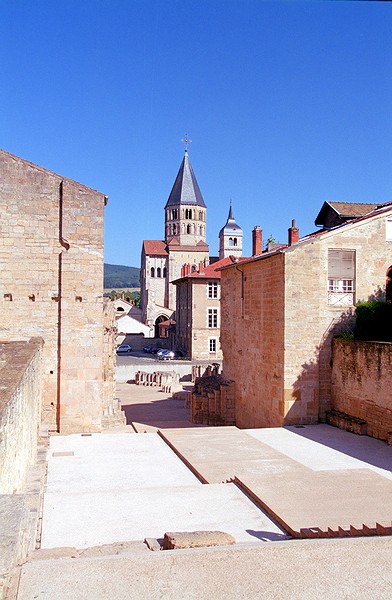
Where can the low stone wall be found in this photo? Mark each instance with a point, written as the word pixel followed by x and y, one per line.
pixel 128 372
pixel 20 411
pixel 362 384
pixel 212 401
pixel 162 379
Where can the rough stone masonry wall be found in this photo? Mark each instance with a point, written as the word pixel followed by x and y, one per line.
pixel 362 383
pixel 252 340
pixel 310 322
pixel 51 252
pixel 111 406
pixel 20 407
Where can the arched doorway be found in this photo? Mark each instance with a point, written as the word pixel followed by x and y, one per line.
pixel 159 320
pixel 388 285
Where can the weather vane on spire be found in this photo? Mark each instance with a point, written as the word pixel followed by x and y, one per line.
pixel 186 140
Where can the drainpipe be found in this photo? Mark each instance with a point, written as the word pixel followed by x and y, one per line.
pixel 64 243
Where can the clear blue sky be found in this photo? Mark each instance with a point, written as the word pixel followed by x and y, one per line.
pixel 288 104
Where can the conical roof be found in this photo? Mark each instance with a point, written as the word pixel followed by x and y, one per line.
pixel 185 189
pixel 231 225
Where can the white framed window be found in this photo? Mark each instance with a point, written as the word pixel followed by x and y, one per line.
pixel 212 345
pixel 212 289
pixel 388 229
pixel 341 277
pixel 212 318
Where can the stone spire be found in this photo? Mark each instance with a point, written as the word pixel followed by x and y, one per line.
pixel 185 189
pixel 230 237
pixel 185 210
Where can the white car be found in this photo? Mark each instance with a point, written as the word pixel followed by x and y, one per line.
pixel 124 349
pixel 165 354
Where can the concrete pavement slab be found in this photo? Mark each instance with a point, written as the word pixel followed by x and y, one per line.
pixel 81 463
pixel 217 454
pixel 325 500
pixel 342 569
pixel 149 428
pixel 89 519
pixel 325 448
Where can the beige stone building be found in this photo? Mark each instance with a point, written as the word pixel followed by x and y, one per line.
pixel 198 311
pixel 185 242
pixel 198 297
pixel 280 309
pixel 51 279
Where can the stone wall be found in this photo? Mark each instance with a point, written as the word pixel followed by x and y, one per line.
pixel 362 384
pixel 111 409
pixel 51 251
pixel 127 372
pixel 252 322
pixel 20 407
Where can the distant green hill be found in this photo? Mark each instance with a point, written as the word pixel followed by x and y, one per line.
pixel 119 276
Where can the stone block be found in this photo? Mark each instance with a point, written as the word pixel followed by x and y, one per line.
pixel 196 539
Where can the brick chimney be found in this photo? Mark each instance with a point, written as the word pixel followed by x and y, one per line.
pixel 293 233
pixel 257 240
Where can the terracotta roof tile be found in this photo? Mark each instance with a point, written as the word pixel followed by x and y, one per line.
pixel 212 271
pixel 352 209
pixel 155 247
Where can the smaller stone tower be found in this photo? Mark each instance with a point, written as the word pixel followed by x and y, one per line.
pixel 230 237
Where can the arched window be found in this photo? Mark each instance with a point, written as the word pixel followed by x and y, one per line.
pixel 188 228
pixel 193 268
pixel 164 272
pixel 388 287
pixel 230 241
pixel 201 229
pixel 158 271
pixel 200 215
pixel 174 229
pixel 235 241
pixel 152 272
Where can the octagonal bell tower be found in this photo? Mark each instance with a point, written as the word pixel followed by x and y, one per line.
pixel 185 210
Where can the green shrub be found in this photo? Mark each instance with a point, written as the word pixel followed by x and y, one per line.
pixel 346 335
pixel 374 321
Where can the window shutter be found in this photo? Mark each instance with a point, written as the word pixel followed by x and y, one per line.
pixel 341 264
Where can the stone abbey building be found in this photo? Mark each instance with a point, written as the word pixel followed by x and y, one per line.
pixel 184 244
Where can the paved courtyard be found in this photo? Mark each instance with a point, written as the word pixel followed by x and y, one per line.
pixel 105 493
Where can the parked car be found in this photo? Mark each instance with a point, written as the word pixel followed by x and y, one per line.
pixel 147 349
pixel 165 355
pixel 124 349
pixel 179 354
pixel 161 351
pixel 156 349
